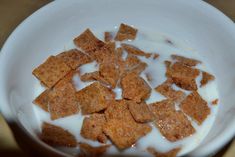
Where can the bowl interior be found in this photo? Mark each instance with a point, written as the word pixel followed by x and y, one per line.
pixel 47 32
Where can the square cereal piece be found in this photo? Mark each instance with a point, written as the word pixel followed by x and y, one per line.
pixel 185 60
pixel 43 99
pixel 90 151
pixel 108 36
pixel 132 61
pixel 94 98
pixel 92 128
pixel 74 58
pixel 57 136
pixel 139 68
pixel 68 79
pixel 215 102
pixel 134 87
pixel 88 42
pixel 118 109
pixel 110 72
pixel 166 90
pixel 140 112
pixel 183 76
pixel 63 102
pixel 94 76
pixel 195 107
pixel 206 77
pixel 106 53
pixel 51 71
pixel 171 153
pixel 172 124
pixel 125 32
pixel 134 50
pixel 124 133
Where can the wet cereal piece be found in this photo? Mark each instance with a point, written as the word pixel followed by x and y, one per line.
pixel 108 36
pixel 134 87
pixel 110 72
pixel 140 112
pixel 166 90
pixel 88 150
pixel 93 76
pixel 57 136
pixel 195 107
pixel 155 56
pixel 185 60
pixel 206 77
pixel 171 153
pixel 106 53
pixel 139 68
pixel 68 79
pixel 88 42
pixel 94 97
pixel 74 58
pixel 172 124
pixel 125 133
pixel 167 64
pixel 63 102
pixel 215 102
pixel 134 50
pixel 132 61
pixel 42 100
pixel 183 76
pixel 51 71
pixel 92 128
pixel 126 32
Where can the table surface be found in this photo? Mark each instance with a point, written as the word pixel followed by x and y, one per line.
pixel 12 12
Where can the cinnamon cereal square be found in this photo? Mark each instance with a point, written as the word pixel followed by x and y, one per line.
pixel 206 77
pixel 195 107
pixel 88 42
pixel 171 153
pixel 108 36
pixel 172 124
pixel 68 79
pixel 51 71
pixel 92 128
pixel 90 151
pixel 74 58
pixel 125 32
pixel 185 60
pixel 63 102
pixel 57 136
pixel 106 53
pixel 42 100
pixel 134 87
pixel 94 97
pixel 94 76
pixel 134 50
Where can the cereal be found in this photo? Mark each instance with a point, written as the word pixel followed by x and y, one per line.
pixel 94 76
pixel 74 58
pixel 194 106
pixel 126 32
pixel 68 79
pixel 125 133
pixel 92 127
pixel 134 87
pixel 173 124
pixel 215 102
pixel 88 150
pixel 140 112
pixel 51 71
pixel 108 36
pixel 185 61
pixel 171 153
pixel 132 61
pixel 206 77
pixel 57 136
pixel 42 100
pixel 155 56
pixel 94 97
pixel 63 102
pixel 88 42
pixel 106 53
pixel 134 50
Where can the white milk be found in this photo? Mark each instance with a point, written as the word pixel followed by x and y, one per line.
pixel 154 43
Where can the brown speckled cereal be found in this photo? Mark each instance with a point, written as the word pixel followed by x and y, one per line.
pixel 92 128
pixel 66 80
pixel 94 76
pixel 185 60
pixel 126 32
pixel 134 87
pixel 74 58
pixel 106 53
pixel 63 102
pixel 215 102
pixel 171 153
pixel 94 97
pixel 88 42
pixel 195 107
pixel 125 133
pixel 57 136
pixel 42 100
pixel 206 77
pixel 140 112
pixel 134 50
pixel 173 124
pixel 90 151
pixel 51 71
pixel 108 36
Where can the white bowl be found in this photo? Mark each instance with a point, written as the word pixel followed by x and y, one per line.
pixel 46 32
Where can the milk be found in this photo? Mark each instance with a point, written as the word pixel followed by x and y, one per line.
pixel 154 43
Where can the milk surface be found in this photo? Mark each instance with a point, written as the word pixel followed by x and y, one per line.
pixel 154 43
